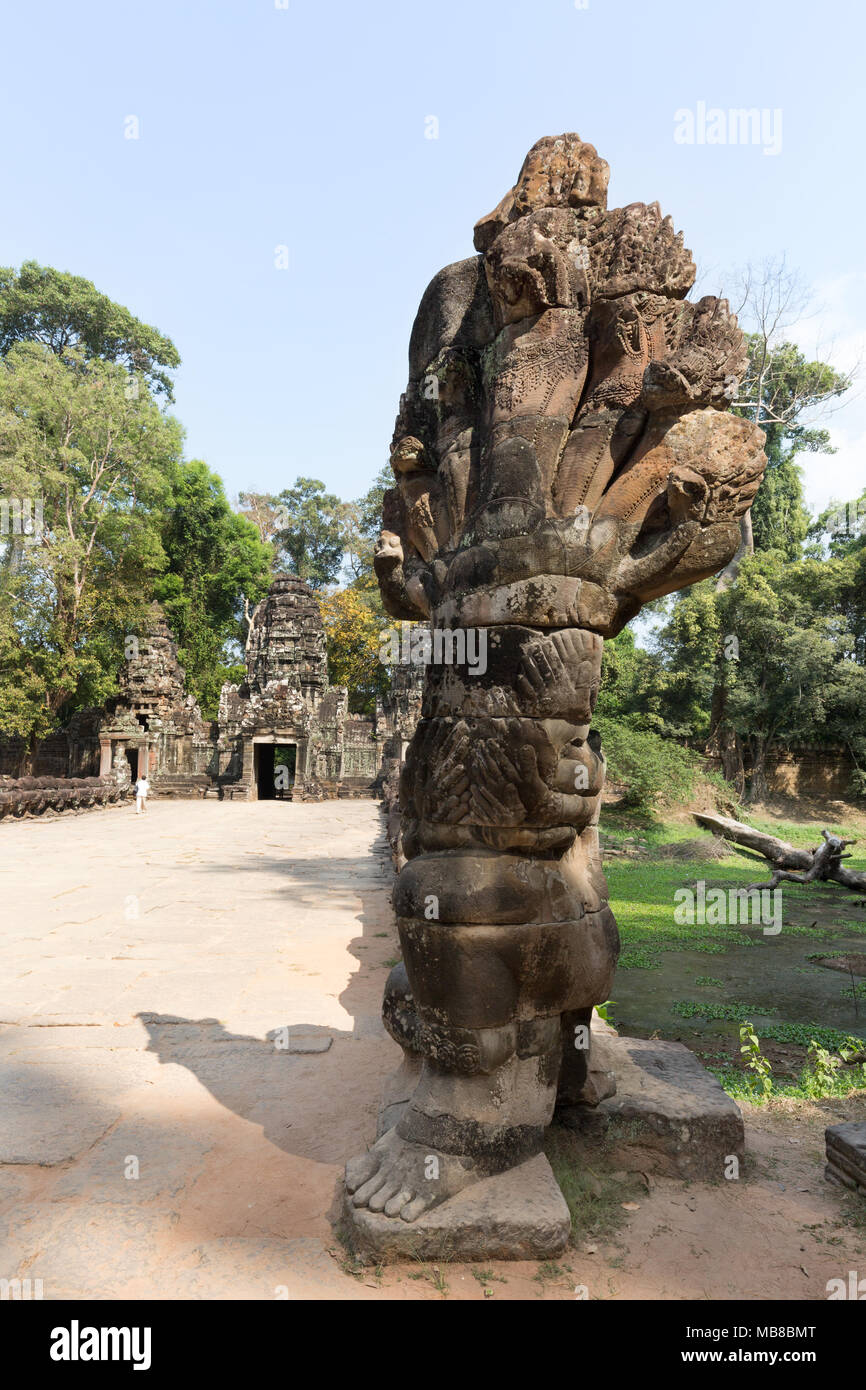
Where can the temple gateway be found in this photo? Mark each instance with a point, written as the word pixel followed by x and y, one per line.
pixel 283 733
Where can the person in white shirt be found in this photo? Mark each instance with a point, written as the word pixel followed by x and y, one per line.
pixel 142 787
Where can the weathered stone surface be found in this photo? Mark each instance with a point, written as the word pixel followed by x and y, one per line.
pixel 150 1034
pixel 846 1155
pixel 43 1123
pixel 517 1215
pixel 308 1040
pixel 285 700
pixel 669 1115
pixel 563 453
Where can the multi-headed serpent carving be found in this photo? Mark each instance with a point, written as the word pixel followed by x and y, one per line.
pixel 562 455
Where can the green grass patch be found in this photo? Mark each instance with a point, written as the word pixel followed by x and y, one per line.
pixel 733 1012
pixel 593 1196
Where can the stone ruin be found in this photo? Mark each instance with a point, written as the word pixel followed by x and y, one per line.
pixel 284 703
pixel 563 453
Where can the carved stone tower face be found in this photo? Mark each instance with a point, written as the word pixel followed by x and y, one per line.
pixel 563 453
pixel 153 680
pixel 287 641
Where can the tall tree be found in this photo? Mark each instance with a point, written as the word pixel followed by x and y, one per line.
pixel 354 633
pixel 95 458
pixel 778 645
pixel 309 535
pixel 779 388
pixel 42 305
pixel 216 565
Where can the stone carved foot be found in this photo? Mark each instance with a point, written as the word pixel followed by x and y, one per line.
pixel 404 1179
pixel 455 1130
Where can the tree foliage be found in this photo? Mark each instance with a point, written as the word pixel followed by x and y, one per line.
pixel 353 631
pixel 215 560
pixel 61 311
pixel 96 458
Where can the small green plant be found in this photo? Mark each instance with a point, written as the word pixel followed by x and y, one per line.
pixel 603 1010
pixel 852 1048
pixel 755 1060
pixel 709 980
pixel 820 1076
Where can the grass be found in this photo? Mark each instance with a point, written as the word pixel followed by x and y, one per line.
pixel 593 1196
pixel 642 898
pixel 808 1086
pixel 733 1012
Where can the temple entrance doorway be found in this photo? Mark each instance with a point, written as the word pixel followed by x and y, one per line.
pixel 274 770
pixel 132 759
pixel 285 757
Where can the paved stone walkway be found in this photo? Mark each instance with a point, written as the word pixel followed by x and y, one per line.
pixel 144 962
pixel 147 966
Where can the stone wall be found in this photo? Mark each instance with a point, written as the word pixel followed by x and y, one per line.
pixel 815 773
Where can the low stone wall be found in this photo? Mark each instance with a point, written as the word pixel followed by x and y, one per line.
pixel 816 773
pixel 31 796
pixel 812 772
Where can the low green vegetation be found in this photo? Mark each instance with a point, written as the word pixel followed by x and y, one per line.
pixel 758 999
pixel 834 1068
pixel 593 1195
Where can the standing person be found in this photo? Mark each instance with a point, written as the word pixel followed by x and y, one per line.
pixel 142 787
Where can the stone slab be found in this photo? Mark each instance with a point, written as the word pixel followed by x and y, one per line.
pixel 669 1115
pixel 846 1154
pixel 308 1040
pixel 518 1215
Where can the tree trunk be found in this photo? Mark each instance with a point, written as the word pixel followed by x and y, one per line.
pixel 724 742
pixel 823 863
pixel 758 789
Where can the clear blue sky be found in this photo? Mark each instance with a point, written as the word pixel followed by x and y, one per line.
pixel 305 127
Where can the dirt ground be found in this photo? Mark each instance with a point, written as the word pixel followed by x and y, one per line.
pixel 147 966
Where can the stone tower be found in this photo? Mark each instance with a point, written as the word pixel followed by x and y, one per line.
pixel 286 641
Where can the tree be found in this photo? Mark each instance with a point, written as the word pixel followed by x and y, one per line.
pixel 690 647
pixel 215 560
pixel 62 311
pixel 630 683
pixel 305 525
pixel 779 388
pixel 96 457
pixel 262 509
pixel 354 634
pixel 777 647
pixel 370 505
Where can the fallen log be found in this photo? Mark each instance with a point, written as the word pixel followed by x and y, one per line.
pixel 823 864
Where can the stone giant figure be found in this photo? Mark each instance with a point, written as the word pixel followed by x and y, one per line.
pixel 563 453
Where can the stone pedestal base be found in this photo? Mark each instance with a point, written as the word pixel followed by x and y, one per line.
pixel 846 1155
pixel 669 1115
pixel 518 1215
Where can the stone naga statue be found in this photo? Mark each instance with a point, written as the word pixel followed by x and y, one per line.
pixel 563 453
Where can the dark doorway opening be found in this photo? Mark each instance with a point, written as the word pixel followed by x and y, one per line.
pixel 132 759
pixel 274 767
pixel 285 756
pixel 264 771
